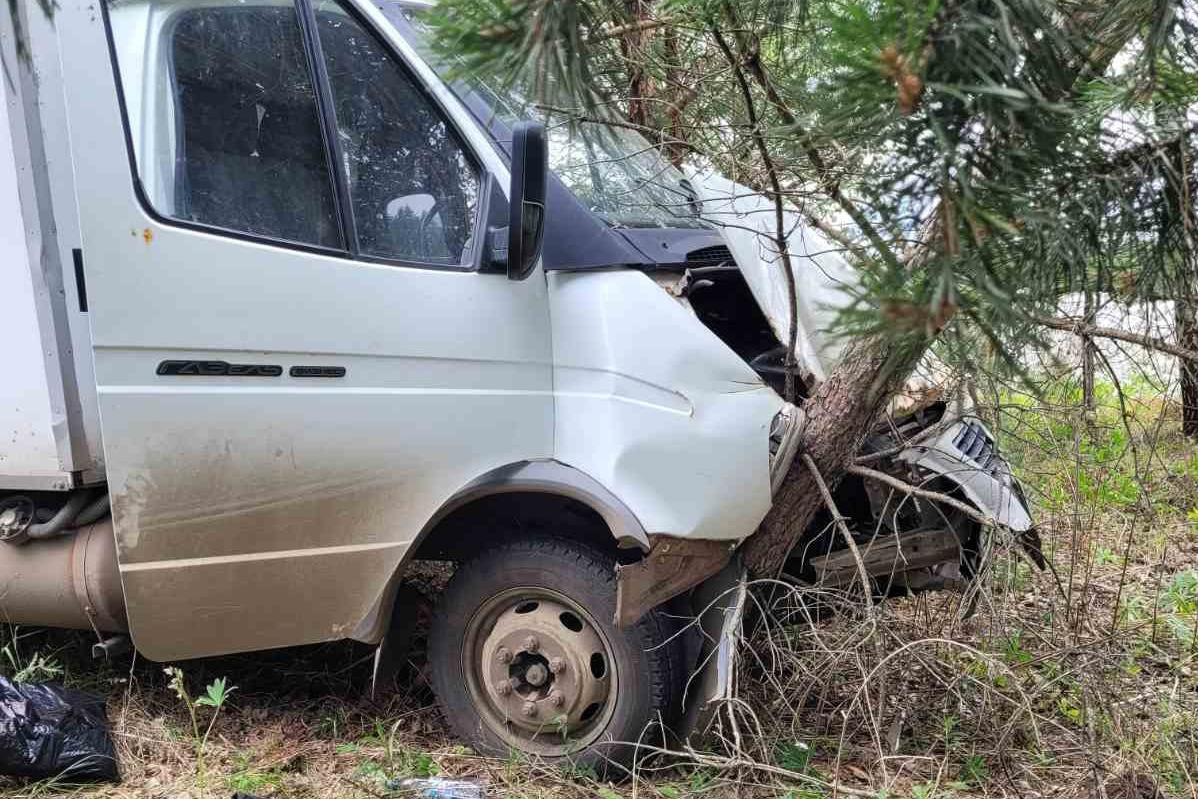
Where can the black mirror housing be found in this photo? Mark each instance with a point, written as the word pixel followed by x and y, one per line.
pixel 526 206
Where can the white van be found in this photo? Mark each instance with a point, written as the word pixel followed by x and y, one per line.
pixel 301 311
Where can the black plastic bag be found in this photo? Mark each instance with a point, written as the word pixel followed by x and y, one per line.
pixel 49 731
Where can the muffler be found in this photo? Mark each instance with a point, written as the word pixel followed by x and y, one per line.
pixel 69 581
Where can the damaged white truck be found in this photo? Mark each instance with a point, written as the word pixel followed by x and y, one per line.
pixel 285 311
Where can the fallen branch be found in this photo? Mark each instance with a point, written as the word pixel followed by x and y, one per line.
pixel 830 503
pixel 934 496
pixel 1081 328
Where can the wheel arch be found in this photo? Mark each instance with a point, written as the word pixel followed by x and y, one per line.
pixel 523 493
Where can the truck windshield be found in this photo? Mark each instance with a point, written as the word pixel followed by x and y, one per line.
pixel 614 170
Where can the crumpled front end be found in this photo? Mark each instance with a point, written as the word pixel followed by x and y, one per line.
pixel 746 302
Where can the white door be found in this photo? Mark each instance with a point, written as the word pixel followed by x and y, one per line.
pixel 296 364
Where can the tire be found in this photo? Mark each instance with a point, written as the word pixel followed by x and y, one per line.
pixel 543 588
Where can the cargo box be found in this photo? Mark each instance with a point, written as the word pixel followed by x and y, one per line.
pixel 49 424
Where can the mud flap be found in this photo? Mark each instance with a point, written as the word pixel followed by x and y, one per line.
pixel 392 651
pixel 719 605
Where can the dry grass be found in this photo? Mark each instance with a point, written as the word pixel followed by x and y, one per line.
pixel 1024 687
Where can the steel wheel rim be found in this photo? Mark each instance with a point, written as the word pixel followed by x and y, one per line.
pixel 539 671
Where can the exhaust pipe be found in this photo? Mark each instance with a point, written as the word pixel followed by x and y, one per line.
pixel 67 581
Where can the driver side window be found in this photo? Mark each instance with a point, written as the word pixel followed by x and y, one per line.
pixel 413 191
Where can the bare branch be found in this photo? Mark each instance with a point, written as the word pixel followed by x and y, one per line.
pixel 830 503
pixel 1081 328
pixel 780 238
pixel 934 496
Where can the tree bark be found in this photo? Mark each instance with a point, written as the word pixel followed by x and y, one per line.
pixel 839 416
pixel 1182 223
pixel 1088 354
pixel 632 45
pixel 1186 314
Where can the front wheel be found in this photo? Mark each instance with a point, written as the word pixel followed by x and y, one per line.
pixel 525 656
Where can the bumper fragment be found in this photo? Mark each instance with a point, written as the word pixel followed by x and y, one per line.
pixel 672 566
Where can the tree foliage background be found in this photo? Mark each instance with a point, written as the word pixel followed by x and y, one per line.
pixel 981 158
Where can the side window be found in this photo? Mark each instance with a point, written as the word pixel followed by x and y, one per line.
pixel 413 190
pixel 223 117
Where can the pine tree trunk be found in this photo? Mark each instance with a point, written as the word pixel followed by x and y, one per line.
pixel 1186 313
pixel 1088 354
pixel 1183 222
pixel 632 46
pixel 840 414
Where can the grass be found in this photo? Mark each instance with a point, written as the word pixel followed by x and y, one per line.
pixel 1086 687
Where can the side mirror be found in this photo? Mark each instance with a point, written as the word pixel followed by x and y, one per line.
pixel 526 222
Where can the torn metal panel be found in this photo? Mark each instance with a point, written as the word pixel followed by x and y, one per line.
pixel 785 433
pixel 672 566
pixel 719 605
pixel 824 282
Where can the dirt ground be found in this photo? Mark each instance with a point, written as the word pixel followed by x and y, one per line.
pixel 1077 682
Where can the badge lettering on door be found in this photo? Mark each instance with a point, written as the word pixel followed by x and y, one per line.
pixel 218 369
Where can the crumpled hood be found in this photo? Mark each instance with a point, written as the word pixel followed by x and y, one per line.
pixel 746 221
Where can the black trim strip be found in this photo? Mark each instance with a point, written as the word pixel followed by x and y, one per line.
pixel 328 123
pixel 317 371
pixel 80 283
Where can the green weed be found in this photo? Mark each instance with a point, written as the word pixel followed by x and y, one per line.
pixel 793 756
pixel 37 667
pixel 974 771
pixel 215 695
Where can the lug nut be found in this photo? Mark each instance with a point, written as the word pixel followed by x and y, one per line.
pixel 557 699
pixel 504 688
pixel 531 643
pixel 503 655
pixel 557 665
pixel 529 709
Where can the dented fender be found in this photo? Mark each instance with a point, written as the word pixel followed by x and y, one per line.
pixel 652 405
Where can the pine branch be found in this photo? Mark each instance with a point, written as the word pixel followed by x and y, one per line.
pixel 612 31
pixel 593 119
pixel 828 182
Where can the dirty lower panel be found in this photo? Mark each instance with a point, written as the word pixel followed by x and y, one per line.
pixel 296 599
